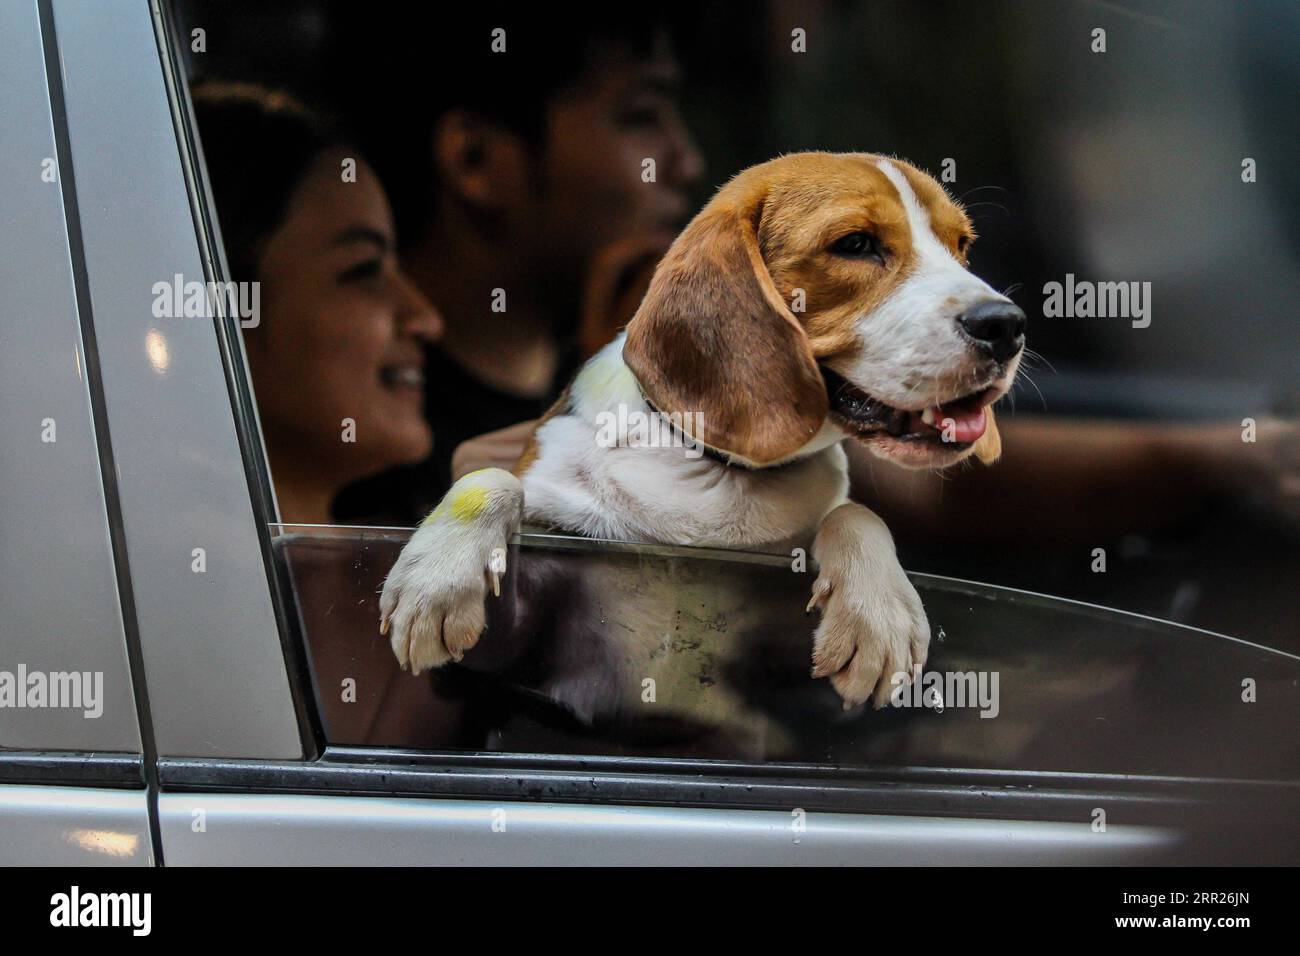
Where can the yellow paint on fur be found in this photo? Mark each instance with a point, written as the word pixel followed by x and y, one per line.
pixel 605 380
pixel 463 504
pixel 468 503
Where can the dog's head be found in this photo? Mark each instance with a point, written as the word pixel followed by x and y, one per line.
pixel 828 289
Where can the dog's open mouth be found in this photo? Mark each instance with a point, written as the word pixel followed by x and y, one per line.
pixel 955 423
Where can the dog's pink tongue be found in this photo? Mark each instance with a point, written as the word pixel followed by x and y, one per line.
pixel 967 424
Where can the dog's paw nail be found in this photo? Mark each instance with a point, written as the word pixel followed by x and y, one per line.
pixel 496 567
pixel 821 590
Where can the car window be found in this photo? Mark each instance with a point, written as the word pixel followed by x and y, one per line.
pixel 610 649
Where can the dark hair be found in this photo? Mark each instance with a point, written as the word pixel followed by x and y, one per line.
pixel 400 80
pixel 258 145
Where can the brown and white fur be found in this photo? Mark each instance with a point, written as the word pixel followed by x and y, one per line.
pixel 716 336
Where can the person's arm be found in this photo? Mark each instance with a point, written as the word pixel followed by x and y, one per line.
pixel 1063 478
pixel 498 449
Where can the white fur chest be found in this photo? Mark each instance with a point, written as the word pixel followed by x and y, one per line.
pixel 631 490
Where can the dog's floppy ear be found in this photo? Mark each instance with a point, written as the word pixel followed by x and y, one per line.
pixel 988 447
pixel 713 337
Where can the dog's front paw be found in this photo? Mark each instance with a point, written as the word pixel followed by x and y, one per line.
pixel 432 605
pixel 873 625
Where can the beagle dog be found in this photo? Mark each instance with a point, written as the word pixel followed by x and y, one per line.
pixel 816 297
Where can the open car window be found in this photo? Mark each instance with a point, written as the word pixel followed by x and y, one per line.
pixel 606 648
pixel 599 649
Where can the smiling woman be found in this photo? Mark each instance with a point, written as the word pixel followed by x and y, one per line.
pixel 337 361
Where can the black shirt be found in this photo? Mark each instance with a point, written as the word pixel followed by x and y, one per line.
pixel 458 406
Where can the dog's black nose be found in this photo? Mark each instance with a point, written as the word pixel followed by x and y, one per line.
pixel 997 328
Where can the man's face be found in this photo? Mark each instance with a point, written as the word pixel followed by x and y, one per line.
pixel 592 175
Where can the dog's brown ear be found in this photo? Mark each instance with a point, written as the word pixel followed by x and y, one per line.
pixel 988 448
pixel 713 337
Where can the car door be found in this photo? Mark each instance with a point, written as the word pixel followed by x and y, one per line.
pixel 271 724
pixel 74 784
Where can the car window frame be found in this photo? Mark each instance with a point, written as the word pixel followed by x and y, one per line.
pixel 640 781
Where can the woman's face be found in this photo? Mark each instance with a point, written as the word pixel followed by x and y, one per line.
pixel 342 331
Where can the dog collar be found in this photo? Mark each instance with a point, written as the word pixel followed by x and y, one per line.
pixel 688 440
pixel 710 453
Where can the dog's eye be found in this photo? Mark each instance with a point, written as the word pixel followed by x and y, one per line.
pixel 858 245
pixel 963 243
